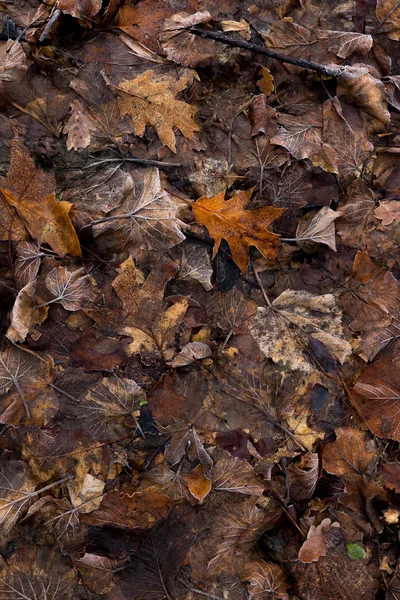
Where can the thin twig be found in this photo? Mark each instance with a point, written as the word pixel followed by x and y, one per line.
pixel 284 58
pixel 155 163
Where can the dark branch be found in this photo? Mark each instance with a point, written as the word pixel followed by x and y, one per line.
pixel 284 58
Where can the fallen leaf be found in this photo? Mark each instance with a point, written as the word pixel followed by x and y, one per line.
pixel 235 475
pixel 79 127
pixel 242 27
pixel 195 264
pixel 363 89
pixel 376 397
pixel 31 192
pixel 199 485
pixel 71 288
pixel 388 13
pixel 348 454
pixel 317 228
pixel 183 47
pixel 25 314
pixel 12 61
pixel 302 478
pixel 191 352
pixel 315 545
pixel 27 264
pixel 388 212
pixel 16 492
pixel 148 216
pixel 300 135
pixel 310 315
pixel 266 83
pixel 145 316
pixel 239 227
pixel 87 495
pixel 265 579
pixel 150 99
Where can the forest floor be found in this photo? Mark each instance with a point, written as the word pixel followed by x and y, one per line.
pixel 200 305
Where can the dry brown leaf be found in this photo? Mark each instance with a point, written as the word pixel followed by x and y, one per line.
pixel 189 353
pixel 199 485
pixel 266 83
pixel 274 328
pixel 79 127
pixel 145 317
pixel 235 475
pixel 195 264
pixel 360 87
pixel 28 259
pixel 376 396
pixel 300 135
pixel 348 454
pixel 182 46
pixel 12 61
pixel 388 12
pixel 242 27
pixel 147 217
pixel 302 478
pixel 317 228
pixel 150 99
pixel 31 192
pixel 16 492
pixel 86 495
pixel 315 545
pixel 388 212
pixel 71 288
pixel 25 314
pixel 266 580
pixel 239 227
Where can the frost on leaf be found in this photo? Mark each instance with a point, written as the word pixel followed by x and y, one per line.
pixel 150 99
pixel 148 216
pixel 265 580
pixel 71 288
pixel 283 330
pixel 24 372
pixel 195 264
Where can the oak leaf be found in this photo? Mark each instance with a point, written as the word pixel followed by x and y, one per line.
pixel 273 328
pixel 148 216
pixel 31 192
pixel 266 83
pixel 239 227
pixel 150 99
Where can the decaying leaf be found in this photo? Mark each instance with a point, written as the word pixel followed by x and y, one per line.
pixel 183 47
pixel 282 330
pixel 388 13
pixel 376 396
pixel 242 27
pixel 266 83
pixel 191 352
pixel 302 478
pixel 28 259
pixel 228 219
pixel 195 264
pixel 315 545
pixel 199 485
pixel 265 580
pixel 317 228
pixel 366 91
pixel 25 314
pixel 388 212
pixel 31 192
pixel 79 127
pixel 80 9
pixel 12 61
pixel 232 474
pixel 348 454
pixel 150 99
pixel 71 288
pixel 148 216
pixel 16 492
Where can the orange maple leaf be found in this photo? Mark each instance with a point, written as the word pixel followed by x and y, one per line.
pixel 228 219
